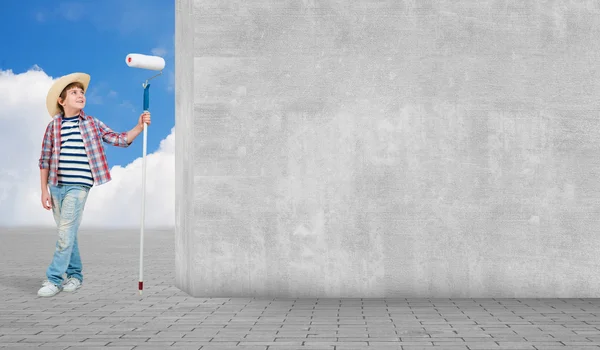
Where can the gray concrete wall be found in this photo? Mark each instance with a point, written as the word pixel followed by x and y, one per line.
pixel 388 148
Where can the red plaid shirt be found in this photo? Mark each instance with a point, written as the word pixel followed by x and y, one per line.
pixel 93 132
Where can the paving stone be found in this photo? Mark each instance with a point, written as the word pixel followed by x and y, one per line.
pixel 420 347
pixel 22 346
pixel 564 347
pixel 300 347
pixel 100 316
pixel 177 346
pixel 85 347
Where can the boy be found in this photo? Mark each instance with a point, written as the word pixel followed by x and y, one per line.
pixel 71 162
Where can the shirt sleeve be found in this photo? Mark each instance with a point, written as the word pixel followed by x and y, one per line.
pixel 109 136
pixel 44 162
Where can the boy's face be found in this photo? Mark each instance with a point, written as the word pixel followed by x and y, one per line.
pixel 74 99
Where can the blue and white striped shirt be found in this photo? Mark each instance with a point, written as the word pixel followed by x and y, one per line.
pixel 73 164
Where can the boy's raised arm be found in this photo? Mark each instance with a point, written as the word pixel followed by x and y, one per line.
pixel 123 139
pixel 119 139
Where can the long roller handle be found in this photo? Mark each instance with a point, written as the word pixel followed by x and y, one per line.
pixel 146 107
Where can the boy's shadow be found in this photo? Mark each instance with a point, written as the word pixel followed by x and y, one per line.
pixel 23 285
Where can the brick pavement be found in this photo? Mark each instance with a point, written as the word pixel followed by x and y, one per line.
pixel 108 313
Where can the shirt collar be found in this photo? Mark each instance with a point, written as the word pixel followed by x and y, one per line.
pixel 59 115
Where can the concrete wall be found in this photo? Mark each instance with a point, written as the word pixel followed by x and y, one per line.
pixel 330 148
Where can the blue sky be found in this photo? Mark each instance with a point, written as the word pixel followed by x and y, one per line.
pixel 94 37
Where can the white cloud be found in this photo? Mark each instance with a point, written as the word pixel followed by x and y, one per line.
pixel 127 105
pixel 99 92
pixel 71 11
pixel 171 80
pixel 159 51
pixel 40 17
pixel 93 97
pixel 23 120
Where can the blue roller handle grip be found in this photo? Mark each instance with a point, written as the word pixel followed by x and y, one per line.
pixel 146 97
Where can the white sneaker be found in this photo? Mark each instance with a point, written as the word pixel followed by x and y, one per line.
pixel 48 289
pixel 72 285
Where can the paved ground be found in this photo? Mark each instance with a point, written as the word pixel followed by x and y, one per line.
pixel 108 312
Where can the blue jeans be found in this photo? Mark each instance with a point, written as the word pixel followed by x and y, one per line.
pixel 68 202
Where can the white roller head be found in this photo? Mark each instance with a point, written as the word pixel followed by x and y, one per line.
pixel 137 60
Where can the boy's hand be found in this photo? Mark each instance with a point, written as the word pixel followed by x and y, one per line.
pixel 144 118
pixel 46 200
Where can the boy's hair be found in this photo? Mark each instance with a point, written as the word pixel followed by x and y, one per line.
pixel 63 94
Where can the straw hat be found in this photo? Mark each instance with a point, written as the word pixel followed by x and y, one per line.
pixel 59 86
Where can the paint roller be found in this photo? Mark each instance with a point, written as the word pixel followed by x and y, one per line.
pixel 136 60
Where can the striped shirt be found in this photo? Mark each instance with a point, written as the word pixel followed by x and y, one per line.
pixel 93 133
pixel 73 163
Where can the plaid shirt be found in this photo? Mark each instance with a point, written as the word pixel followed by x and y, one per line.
pixel 93 132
